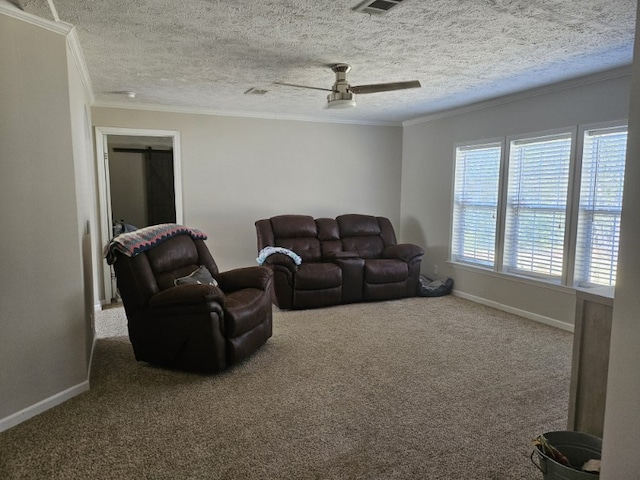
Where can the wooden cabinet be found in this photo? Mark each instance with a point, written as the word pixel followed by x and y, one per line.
pixel 592 336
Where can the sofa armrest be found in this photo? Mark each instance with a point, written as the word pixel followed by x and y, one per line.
pixel 280 259
pixel 403 251
pixel 247 277
pixel 185 295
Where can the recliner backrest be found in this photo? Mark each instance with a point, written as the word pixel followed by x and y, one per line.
pixel 365 235
pixel 177 257
pixel 156 269
pixel 322 238
pixel 298 233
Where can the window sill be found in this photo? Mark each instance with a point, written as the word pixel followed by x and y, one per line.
pixel 606 292
pixel 602 295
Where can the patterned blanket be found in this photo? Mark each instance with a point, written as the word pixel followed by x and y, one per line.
pixel 132 243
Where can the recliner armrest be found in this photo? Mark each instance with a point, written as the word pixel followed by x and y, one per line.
pixel 247 277
pixel 281 260
pixel 182 295
pixel 403 251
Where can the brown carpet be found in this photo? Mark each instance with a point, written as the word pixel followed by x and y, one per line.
pixel 421 388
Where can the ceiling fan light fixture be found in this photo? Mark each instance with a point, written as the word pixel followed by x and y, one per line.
pixel 341 100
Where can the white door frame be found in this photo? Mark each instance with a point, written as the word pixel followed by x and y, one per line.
pixel 104 192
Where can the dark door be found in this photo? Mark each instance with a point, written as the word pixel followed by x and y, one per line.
pixel 161 196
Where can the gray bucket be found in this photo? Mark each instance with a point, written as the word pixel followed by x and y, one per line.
pixel 578 447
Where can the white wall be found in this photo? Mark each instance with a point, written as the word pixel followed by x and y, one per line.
pixel 86 193
pixel 238 170
pixel 43 325
pixel 621 439
pixel 427 182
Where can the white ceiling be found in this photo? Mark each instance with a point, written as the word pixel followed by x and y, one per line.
pixel 205 54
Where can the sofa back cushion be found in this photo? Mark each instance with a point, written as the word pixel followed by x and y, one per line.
pixel 298 233
pixel 361 234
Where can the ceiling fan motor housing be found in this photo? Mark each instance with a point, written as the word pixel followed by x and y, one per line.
pixel 341 95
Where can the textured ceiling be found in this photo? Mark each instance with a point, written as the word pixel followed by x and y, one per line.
pixel 205 54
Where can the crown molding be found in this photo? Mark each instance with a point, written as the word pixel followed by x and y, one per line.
pixel 62 28
pixel 614 73
pixel 78 59
pixel 58 27
pixel 230 113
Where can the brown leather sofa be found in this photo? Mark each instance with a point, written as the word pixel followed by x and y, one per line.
pixel 352 258
pixel 197 327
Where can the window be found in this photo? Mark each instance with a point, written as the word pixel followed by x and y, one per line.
pixel 603 159
pixel 536 212
pixel 475 206
pixel 544 206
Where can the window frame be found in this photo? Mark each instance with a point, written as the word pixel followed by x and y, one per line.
pixel 559 132
pixel 567 279
pixel 573 280
pixel 486 143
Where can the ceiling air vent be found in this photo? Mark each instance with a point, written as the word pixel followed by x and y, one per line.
pixel 377 7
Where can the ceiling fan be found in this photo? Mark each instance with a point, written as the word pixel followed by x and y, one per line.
pixel 343 94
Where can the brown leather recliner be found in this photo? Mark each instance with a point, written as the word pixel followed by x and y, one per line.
pixel 196 327
pixel 351 258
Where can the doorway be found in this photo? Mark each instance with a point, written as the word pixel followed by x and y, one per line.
pixel 139 184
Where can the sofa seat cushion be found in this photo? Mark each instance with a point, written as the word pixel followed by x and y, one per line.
pixel 385 271
pixel 244 310
pixel 318 276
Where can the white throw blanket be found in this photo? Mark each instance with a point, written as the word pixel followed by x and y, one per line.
pixel 266 251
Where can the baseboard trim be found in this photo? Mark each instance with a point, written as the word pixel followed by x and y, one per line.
pixel 42 406
pixel 516 311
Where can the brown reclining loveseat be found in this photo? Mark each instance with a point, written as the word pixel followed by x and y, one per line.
pixel 352 258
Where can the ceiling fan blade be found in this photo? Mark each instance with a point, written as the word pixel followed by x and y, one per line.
pixel 385 87
pixel 302 86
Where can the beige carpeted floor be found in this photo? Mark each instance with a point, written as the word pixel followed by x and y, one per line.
pixel 421 388
pixel 111 321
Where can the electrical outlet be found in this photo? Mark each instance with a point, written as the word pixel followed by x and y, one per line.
pixel 435 269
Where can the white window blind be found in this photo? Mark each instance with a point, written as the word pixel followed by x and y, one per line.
pixel 536 210
pixel 475 206
pixel 601 186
